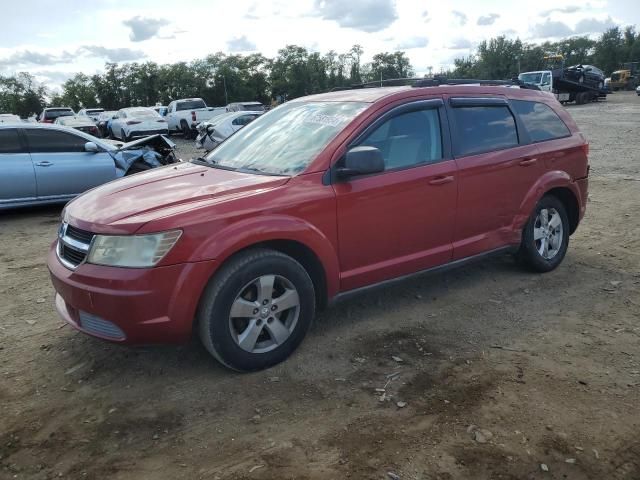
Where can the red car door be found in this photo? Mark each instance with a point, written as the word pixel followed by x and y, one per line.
pixel 401 220
pixel 497 167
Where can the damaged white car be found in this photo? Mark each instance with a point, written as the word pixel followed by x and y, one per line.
pixel 218 129
pixel 45 164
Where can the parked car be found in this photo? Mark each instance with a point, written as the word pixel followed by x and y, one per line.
pixel 135 122
pixel 103 120
pixel 92 113
pixel 587 74
pixel 49 115
pixel 246 106
pixel 183 116
pixel 82 123
pixel 213 132
pixel 9 118
pixel 317 199
pixel 44 164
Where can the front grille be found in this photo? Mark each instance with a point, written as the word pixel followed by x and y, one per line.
pixel 80 235
pixel 100 326
pixel 71 255
pixel 73 245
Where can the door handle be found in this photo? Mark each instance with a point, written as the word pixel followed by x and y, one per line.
pixel 528 161
pixel 441 180
pixel 44 163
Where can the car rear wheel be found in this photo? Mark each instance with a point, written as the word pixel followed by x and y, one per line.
pixel 124 136
pixel 545 237
pixel 256 310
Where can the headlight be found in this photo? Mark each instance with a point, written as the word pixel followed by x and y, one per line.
pixel 133 251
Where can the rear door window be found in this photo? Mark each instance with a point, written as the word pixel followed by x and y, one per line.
pixel 44 140
pixel 483 129
pixel 540 120
pixel 10 141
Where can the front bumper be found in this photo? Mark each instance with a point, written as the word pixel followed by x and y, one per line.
pixel 128 305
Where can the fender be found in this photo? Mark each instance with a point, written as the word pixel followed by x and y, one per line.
pixel 264 228
pixel 548 181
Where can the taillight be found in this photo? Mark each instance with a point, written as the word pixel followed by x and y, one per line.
pixel 133 122
pixel 193 116
pixel 585 149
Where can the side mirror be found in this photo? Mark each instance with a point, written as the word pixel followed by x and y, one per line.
pixel 91 147
pixel 362 160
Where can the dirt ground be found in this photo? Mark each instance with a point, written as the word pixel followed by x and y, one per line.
pixel 500 373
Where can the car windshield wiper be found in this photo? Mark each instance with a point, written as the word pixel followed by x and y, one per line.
pixel 203 161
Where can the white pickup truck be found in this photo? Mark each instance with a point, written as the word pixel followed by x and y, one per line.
pixel 184 115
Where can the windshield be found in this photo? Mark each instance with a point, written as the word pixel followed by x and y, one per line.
pixel 190 105
pixel 93 111
pixel 285 140
pixel 533 77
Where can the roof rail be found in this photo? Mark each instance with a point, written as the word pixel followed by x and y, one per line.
pixel 436 81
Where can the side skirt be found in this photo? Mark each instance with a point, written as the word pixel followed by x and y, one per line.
pixel 429 271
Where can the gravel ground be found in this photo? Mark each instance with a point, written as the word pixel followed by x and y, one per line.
pixel 500 374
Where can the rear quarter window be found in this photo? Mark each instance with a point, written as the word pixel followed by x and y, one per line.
pixel 484 129
pixel 540 120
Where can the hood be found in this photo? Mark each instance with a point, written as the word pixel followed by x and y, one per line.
pixel 125 205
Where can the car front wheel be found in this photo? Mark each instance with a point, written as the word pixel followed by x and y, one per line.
pixel 256 310
pixel 545 237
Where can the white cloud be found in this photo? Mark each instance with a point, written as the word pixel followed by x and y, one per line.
pixel 144 28
pixel 413 42
pixel 488 19
pixel 365 15
pixel 241 44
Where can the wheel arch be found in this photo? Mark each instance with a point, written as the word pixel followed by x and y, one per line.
pixel 291 236
pixel 559 184
pixel 301 253
pixel 570 202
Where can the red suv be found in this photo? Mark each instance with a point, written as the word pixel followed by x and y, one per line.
pixel 319 197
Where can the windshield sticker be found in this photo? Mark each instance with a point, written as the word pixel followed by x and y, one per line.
pixel 326 120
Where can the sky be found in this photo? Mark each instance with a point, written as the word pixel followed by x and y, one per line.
pixel 55 39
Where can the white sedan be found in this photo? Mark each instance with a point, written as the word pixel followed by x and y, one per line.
pixel 134 122
pixel 214 131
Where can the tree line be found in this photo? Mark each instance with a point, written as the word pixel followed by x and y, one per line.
pixel 501 58
pixel 295 71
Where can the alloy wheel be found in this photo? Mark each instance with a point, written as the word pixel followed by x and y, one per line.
pixel 264 314
pixel 548 233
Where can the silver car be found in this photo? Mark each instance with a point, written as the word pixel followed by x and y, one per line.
pixel 52 164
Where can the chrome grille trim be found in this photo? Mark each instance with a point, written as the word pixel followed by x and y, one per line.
pixel 70 239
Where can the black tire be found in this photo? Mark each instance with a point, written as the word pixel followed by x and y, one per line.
pixel 124 136
pixel 528 253
pixel 215 327
pixel 111 135
pixel 186 130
